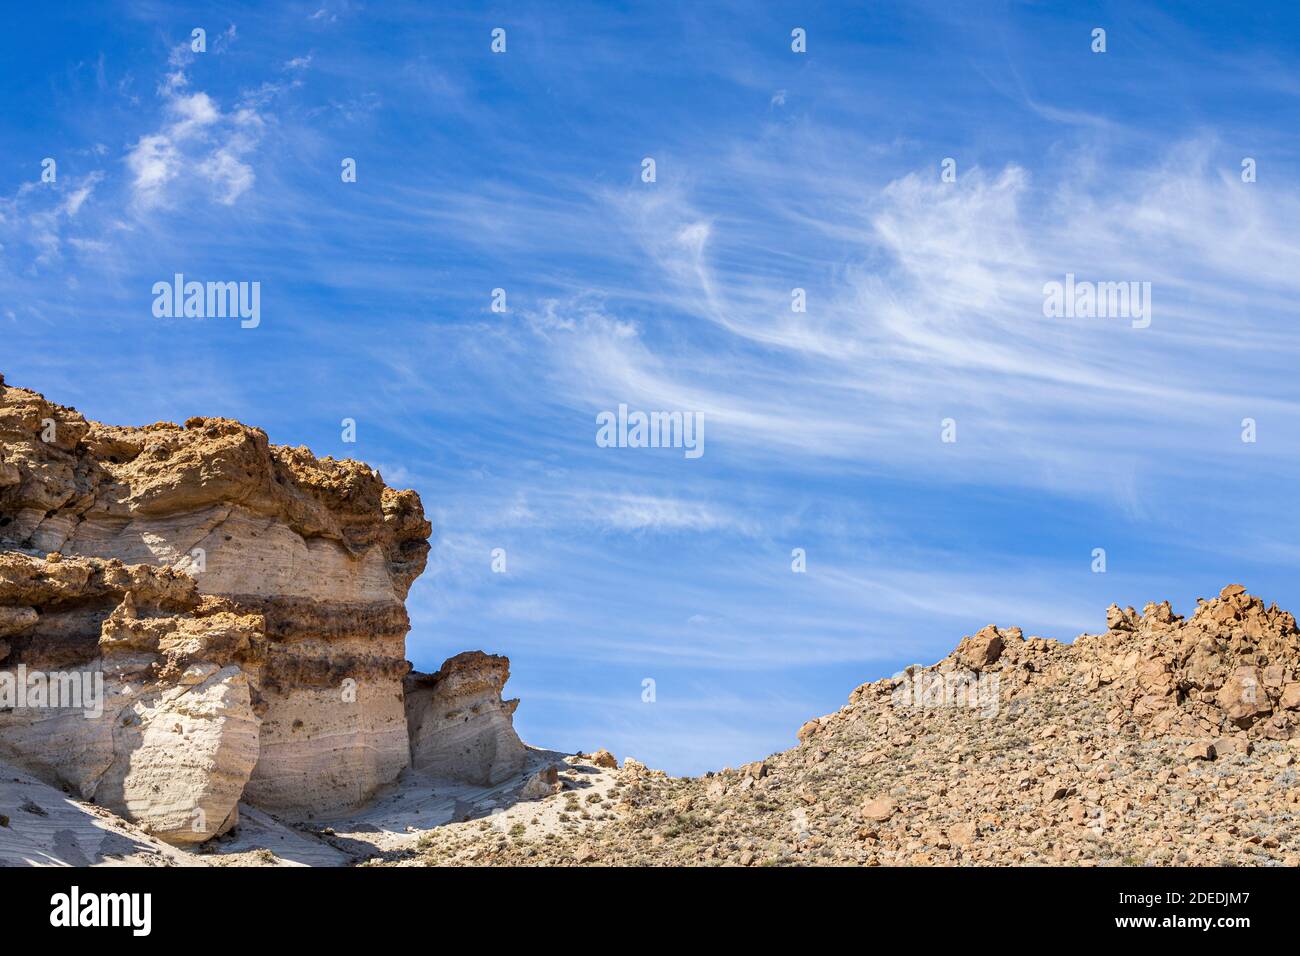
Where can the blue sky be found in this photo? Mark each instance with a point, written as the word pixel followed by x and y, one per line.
pixel 774 170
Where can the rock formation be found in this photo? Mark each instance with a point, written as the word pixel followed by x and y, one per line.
pixel 171 735
pixel 1162 741
pixel 245 605
pixel 460 725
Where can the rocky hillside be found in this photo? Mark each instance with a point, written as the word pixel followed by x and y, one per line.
pixel 241 605
pixel 1164 741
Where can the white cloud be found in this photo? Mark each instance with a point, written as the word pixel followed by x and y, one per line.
pixel 40 212
pixel 154 162
pixel 195 112
pixel 77 197
pixel 197 142
pixel 660 514
pixel 230 175
pixel 932 306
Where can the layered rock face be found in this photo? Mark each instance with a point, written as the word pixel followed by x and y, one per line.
pixel 244 601
pixel 459 724
pixel 160 722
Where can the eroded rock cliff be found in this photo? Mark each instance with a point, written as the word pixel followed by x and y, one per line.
pixel 244 602
pixel 460 725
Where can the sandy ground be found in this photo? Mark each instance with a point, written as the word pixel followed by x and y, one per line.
pixel 43 826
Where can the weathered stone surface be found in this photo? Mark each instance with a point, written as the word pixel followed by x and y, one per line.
pixel 1121 748
pixel 1201 750
pixel 1243 697
pixel 15 620
pixel 963 834
pixel 878 810
pixel 981 649
pixel 182 757
pixel 170 736
pixel 41 826
pixel 540 785
pixel 459 725
pixel 244 603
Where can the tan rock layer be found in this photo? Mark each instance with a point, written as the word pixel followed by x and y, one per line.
pixel 57 470
pixel 245 602
pixel 459 725
pixel 172 737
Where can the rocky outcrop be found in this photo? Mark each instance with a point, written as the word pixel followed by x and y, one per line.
pixel 982 648
pixel 1162 741
pixel 155 714
pixel 459 725
pixel 245 604
pixel 1232 667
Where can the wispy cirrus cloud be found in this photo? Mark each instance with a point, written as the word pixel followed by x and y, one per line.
pixel 936 310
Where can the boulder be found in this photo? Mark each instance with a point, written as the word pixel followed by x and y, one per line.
pixel 1201 750
pixel 542 784
pixel 963 834
pixel 981 649
pixel 1243 698
pixel 1291 696
pixel 878 810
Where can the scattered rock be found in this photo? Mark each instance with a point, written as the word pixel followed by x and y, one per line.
pixel 542 784
pixel 808 730
pixel 1239 744
pixel 1201 750
pixel 1075 769
pixel 1120 620
pixel 1291 696
pixel 878 810
pixel 963 834
pixel 1055 790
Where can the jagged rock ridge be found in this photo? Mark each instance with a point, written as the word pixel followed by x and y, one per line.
pixel 1162 741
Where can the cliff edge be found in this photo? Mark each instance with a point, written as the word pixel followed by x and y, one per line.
pixel 191 616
